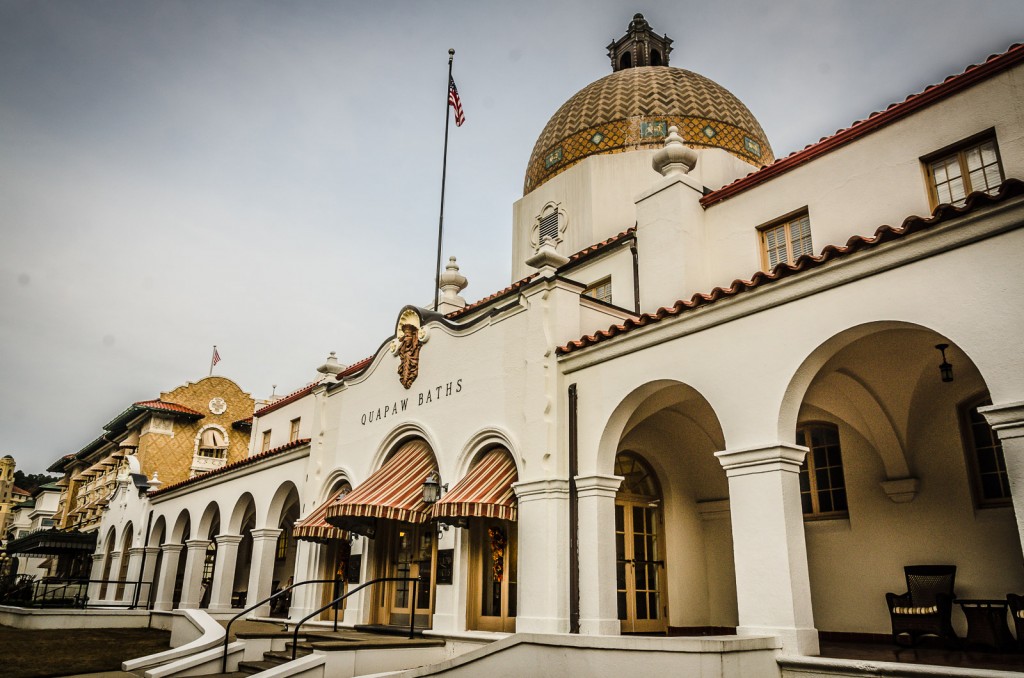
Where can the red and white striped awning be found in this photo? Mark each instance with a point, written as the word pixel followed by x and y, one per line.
pixel 485 492
pixel 315 527
pixel 393 492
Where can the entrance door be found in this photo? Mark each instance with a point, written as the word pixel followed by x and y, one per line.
pixel 493 575
pixel 639 566
pixel 412 555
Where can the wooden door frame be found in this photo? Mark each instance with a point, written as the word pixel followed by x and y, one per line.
pixel 474 595
pixel 661 624
pixel 385 567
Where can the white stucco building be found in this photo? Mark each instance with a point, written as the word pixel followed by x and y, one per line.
pixel 710 401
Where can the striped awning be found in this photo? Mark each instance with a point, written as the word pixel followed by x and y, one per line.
pixel 485 492
pixel 392 492
pixel 314 527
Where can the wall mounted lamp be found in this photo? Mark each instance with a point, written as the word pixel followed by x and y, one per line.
pixel 945 369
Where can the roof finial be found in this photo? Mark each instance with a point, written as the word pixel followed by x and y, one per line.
pixel 675 157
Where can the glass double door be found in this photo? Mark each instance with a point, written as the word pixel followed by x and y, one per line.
pixel 494 567
pixel 411 555
pixel 639 566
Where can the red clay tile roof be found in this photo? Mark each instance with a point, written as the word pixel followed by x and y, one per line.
pixel 166 406
pixel 582 255
pixel 356 367
pixel 238 464
pixel 913 224
pixel 18 490
pixel 915 102
pixel 290 398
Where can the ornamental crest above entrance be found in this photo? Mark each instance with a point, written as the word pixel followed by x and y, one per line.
pixel 409 339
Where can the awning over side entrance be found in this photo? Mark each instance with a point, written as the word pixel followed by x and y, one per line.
pixel 53 543
pixel 392 492
pixel 315 527
pixel 485 492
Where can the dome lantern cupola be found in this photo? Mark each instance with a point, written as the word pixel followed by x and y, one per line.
pixel 640 46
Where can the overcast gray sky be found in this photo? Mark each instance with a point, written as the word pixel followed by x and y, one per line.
pixel 265 176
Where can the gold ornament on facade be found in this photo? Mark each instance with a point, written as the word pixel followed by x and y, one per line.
pixel 409 339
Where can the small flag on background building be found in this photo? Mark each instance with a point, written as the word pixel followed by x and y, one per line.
pixel 455 102
pixel 216 356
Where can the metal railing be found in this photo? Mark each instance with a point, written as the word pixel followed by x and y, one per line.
pixel 287 589
pixel 337 601
pixel 74 593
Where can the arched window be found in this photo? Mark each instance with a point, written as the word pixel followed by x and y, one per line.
pixel 626 60
pixel 213 444
pixel 655 57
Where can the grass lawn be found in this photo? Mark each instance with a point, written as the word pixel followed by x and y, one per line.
pixel 34 654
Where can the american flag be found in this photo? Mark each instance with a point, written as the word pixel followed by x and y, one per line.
pixel 216 357
pixel 455 102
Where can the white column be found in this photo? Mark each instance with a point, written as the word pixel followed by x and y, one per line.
pixel 543 556
pixel 110 588
pixel 1007 421
pixel 261 576
pixel 306 598
pixel 598 612
pixel 773 587
pixel 95 575
pixel 224 572
pixel 133 574
pixel 148 589
pixel 191 583
pixel 168 573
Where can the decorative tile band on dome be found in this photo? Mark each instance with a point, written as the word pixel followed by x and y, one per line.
pixel 641 132
pixel 633 108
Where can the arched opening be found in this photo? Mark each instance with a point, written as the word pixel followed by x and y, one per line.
pixel 284 554
pixel 243 521
pixel 337 554
pixel 108 549
pixel 122 574
pixel 388 507
pixel 209 558
pixel 901 470
pixel 182 533
pixel 626 60
pixel 655 57
pixel 675 569
pixel 156 538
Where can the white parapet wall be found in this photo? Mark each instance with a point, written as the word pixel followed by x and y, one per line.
pixel 25 618
pixel 192 631
pixel 542 655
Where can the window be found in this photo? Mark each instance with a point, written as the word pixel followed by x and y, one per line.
pixel 822 486
pixel 985 459
pixel 784 241
pixel 293 435
pixel 213 444
pixel 973 166
pixel 601 290
pixel 265 444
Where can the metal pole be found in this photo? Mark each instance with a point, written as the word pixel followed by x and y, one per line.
pixel 574 521
pixel 444 173
pixel 412 609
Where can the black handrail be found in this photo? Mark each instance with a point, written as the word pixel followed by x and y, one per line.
pixel 337 601
pixel 63 585
pixel 227 630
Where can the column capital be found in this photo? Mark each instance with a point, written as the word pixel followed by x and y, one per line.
pixel 265 533
pixel 135 551
pixel 172 548
pixel 598 485
pixel 152 550
pixel 115 554
pixel 228 539
pixel 1006 419
pixel 197 544
pixel 762 459
pixel 541 489
pixel 98 556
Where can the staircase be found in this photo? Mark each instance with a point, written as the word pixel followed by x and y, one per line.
pixel 346 640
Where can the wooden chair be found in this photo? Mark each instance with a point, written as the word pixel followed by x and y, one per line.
pixel 1016 605
pixel 927 606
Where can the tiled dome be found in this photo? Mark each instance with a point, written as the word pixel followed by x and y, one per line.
pixel 633 108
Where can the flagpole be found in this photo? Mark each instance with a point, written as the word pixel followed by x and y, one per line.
pixel 444 173
pixel 212 356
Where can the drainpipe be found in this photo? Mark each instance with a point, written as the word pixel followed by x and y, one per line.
pixel 574 536
pixel 636 276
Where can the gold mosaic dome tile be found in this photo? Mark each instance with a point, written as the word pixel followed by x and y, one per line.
pixel 633 108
